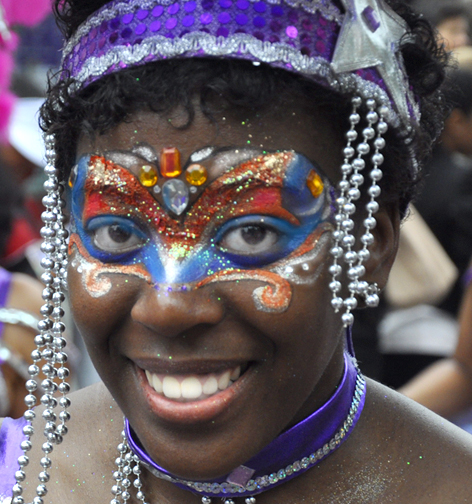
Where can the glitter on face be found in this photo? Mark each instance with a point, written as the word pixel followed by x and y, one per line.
pixel 256 221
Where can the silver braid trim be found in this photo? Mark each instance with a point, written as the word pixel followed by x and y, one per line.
pixel 344 247
pixel 50 341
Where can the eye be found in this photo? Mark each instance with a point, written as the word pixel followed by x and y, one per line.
pixel 116 235
pixel 257 240
pixel 250 239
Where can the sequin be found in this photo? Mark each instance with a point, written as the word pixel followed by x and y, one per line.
pixel 277 10
pixel 260 7
pixel 291 31
pixel 127 18
pixel 241 19
pixel 170 162
pixel 222 32
pixel 171 23
pixel 140 29
pixel 188 21
pixel 155 26
pixel 226 4
pixel 314 183
pixel 157 11
pixel 142 14
pixel 196 174
pixel 206 18
pixel 190 6
pixel 148 176
pixel 259 22
pixel 224 18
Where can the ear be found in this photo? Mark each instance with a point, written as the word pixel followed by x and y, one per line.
pixel 384 249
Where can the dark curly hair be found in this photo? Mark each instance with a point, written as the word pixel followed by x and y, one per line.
pixel 163 85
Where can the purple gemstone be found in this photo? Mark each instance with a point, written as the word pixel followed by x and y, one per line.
pixel 226 4
pixel 142 14
pixel 273 39
pixel 102 42
pixel 113 37
pixel 171 23
pixel 104 27
pixel 242 4
pixel 371 18
pixel 321 33
pixel 207 4
pixel 224 18
pixel 140 29
pixel 92 47
pixel 241 19
pixel 277 10
pixel 206 18
pixel 259 22
pixel 322 21
pixel 155 26
pixel 190 6
pixel 260 7
pixel 259 35
pixel 169 35
pixel 157 11
pixel 305 51
pixel 275 25
pixel 222 32
pixel 93 33
pixel 173 9
pixel 138 41
pixel 188 21
pixel 127 18
pixel 291 32
pixel 83 54
pixel 126 33
pixel 115 24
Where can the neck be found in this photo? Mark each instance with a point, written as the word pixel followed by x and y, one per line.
pixel 290 454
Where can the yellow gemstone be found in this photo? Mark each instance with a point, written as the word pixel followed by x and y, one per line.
pixel 315 184
pixel 148 176
pixel 196 174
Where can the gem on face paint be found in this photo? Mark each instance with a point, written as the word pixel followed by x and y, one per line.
pixel 314 183
pixel 73 176
pixel 157 189
pixel 175 195
pixel 196 174
pixel 170 162
pixel 148 176
pixel 193 189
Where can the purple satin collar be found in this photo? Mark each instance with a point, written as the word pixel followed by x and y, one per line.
pixel 290 454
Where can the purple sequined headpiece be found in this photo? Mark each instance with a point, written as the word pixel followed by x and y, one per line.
pixel 353 52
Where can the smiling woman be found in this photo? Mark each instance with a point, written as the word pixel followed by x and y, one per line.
pixel 217 253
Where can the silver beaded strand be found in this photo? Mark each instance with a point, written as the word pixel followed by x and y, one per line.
pixel 50 341
pixel 349 188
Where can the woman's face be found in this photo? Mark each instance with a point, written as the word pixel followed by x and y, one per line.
pixel 199 278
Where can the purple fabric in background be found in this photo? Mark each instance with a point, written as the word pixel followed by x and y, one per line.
pixel 11 435
pixel 5 283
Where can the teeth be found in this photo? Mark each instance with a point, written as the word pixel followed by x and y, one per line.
pixel 194 387
pixel 223 382
pixel 191 388
pixel 171 387
pixel 211 386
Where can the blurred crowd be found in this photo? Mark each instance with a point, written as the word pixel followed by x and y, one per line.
pixel 419 340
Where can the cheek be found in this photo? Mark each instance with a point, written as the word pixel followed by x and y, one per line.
pixel 88 311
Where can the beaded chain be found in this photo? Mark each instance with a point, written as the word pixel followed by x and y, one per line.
pixel 50 341
pixel 349 188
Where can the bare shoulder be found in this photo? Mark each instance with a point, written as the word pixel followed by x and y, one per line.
pixel 425 457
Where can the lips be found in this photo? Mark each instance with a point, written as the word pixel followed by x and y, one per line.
pixel 192 387
pixel 193 392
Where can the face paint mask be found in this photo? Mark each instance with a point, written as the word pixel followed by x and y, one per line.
pixel 262 219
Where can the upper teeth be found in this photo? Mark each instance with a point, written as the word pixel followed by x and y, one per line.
pixel 187 387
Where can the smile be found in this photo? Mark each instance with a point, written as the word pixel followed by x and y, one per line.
pixel 192 387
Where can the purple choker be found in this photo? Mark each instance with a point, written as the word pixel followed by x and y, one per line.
pixel 290 454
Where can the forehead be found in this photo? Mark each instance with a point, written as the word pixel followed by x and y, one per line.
pixel 284 127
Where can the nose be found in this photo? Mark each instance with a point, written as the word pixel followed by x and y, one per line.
pixel 172 312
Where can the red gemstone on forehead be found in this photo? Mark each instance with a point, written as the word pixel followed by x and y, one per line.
pixel 170 162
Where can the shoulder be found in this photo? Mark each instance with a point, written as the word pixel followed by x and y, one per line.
pixel 415 448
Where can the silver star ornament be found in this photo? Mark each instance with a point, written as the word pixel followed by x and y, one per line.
pixel 369 37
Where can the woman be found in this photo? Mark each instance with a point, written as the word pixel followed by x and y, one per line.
pixel 213 234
